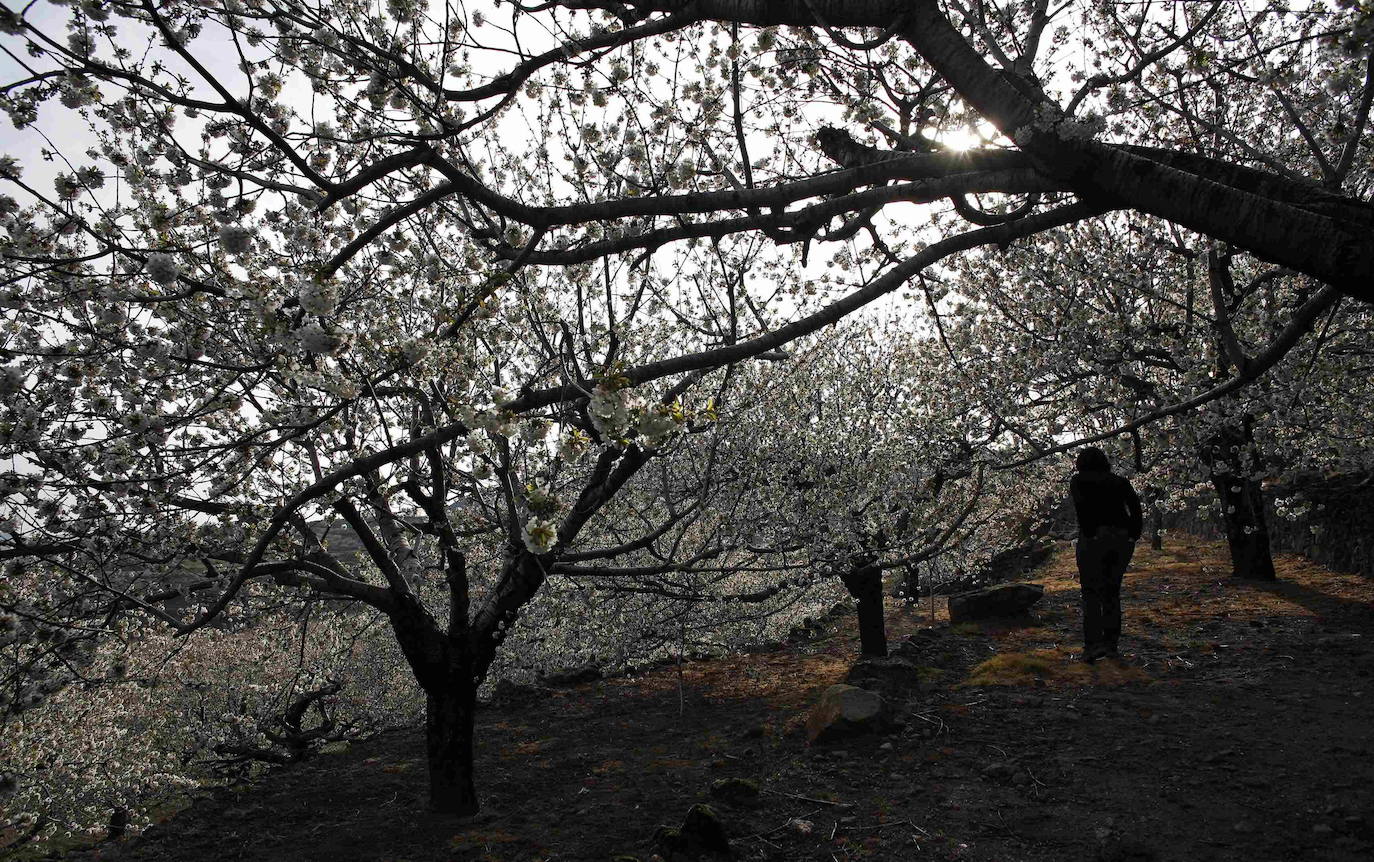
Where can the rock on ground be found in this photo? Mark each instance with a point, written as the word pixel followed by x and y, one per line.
pixel 1001 600
pixel 894 673
pixel 736 791
pixel 844 711
pixel 701 836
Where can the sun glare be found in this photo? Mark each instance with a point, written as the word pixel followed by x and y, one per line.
pixel 960 139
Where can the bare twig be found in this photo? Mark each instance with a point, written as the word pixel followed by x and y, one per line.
pixel 809 799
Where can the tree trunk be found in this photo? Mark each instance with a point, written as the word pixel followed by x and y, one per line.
pixel 872 627
pixel 449 715
pixel 865 584
pixel 1247 533
pixel 1233 472
pixel 1156 527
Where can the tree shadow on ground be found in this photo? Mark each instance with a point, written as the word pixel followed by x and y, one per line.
pixel 1327 608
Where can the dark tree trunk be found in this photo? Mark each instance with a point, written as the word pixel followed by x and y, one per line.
pixel 1234 468
pixel 119 824
pixel 449 714
pixel 1156 527
pixel 1247 533
pixel 444 668
pixel 865 584
pixel 872 627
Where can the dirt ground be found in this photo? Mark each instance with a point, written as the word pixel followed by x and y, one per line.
pixel 1239 728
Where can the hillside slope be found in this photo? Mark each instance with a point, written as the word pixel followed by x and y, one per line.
pixel 1240 729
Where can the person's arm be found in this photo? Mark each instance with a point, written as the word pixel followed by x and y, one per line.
pixel 1133 510
pixel 1080 505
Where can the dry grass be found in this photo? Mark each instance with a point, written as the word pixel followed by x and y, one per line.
pixel 783 679
pixel 485 840
pixel 1051 667
pixel 1168 596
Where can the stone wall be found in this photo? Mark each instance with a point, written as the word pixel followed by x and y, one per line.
pixel 1335 527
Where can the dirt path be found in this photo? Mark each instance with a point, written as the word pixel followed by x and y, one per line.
pixel 1241 729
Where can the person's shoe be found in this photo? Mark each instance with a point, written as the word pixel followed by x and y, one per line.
pixel 1091 654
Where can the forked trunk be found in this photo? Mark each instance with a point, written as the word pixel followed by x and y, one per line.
pixel 865 584
pixel 449 715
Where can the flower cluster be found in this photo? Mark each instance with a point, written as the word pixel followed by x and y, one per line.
pixel 11 380
pixel 235 239
pixel 573 444
pixel 317 297
pixel 539 535
pixel 540 500
pixel 611 410
pixel 313 337
pixel 414 351
pixel 615 411
pixel 657 422
pixel 162 268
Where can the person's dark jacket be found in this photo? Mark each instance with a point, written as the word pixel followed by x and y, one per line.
pixel 1105 500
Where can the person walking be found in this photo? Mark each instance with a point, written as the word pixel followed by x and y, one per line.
pixel 1109 525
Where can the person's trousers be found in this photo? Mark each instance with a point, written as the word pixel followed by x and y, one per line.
pixel 1102 561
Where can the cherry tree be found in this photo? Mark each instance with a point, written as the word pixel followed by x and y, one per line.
pixel 454 277
pixel 1111 329
pixel 884 464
